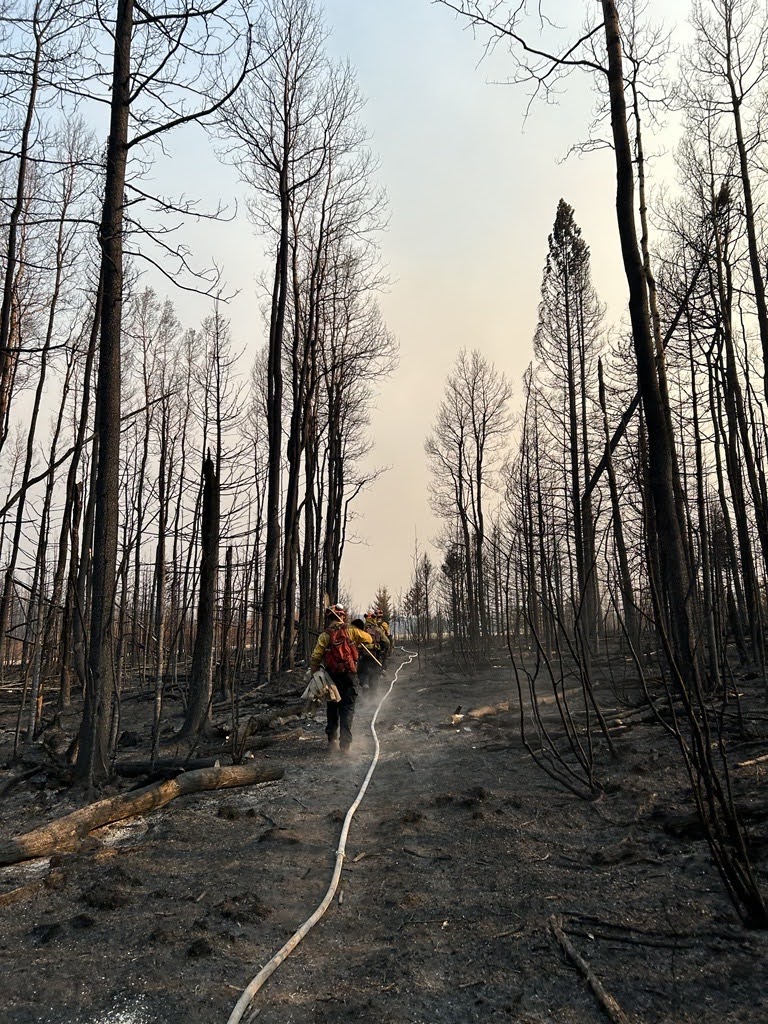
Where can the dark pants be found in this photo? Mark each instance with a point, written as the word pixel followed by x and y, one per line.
pixel 341 713
pixel 367 670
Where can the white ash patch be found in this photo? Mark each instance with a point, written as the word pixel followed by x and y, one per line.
pixel 133 1013
pixel 128 833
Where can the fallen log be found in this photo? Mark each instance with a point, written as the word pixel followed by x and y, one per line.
pixel 605 999
pixel 275 716
pixel 252 743
pixel 258 724
pixel 16 780
pixel 490 709
pixel 67 833
pixel 166 765
pixel 752 761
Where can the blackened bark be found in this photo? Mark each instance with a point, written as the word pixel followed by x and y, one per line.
pixel 70 616
pixel 667 535
pixel 8 358
pixel 274 435
pixel 94 754
pixel 161 609
pixel 72 494
pixel 199 701
pixel 631 618
pixel 226 684
pixel 705 540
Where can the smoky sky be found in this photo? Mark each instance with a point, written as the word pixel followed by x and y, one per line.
pixel 473 186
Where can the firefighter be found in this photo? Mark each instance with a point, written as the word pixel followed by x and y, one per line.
pixel 384 627
pixel 380 644
pixel 369 663
pixel 337 650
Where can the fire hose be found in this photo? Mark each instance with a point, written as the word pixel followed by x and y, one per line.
pixel 269 968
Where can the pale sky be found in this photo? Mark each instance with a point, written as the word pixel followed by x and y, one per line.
pixel 473 191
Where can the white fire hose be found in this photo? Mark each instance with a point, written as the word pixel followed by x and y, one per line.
pixel 248 994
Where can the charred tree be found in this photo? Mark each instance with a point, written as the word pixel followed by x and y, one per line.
pixel 201 671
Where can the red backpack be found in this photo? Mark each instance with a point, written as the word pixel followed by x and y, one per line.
pixel 340 654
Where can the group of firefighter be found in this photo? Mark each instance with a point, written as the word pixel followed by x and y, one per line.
pixel 348 656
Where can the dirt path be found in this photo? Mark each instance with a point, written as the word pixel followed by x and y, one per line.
pixel 457 858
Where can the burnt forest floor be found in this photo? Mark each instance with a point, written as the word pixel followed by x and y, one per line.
pixel 459 856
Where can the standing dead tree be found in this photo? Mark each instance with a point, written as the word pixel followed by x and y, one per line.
pixel 272 131
pixel 566 343
pixel 200 689
pixel 464 451
pixel 162 62
pixel 300 148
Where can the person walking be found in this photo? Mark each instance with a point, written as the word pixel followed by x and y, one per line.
pixel 380 644
pixel 367 666
pixel 387 642
pixel 337 650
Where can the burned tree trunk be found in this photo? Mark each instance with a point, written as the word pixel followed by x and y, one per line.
pixel 200 682
pixel 226 668
pixel 668 534
pixel 93 754
pixel 631 619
